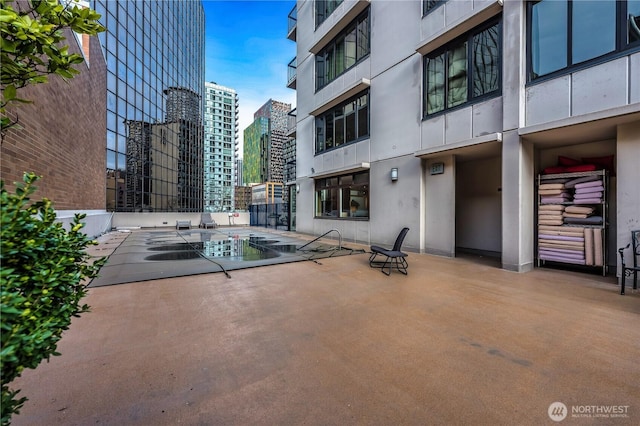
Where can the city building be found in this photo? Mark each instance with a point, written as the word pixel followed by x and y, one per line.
pixel 242 197
pixel 155 81
pixel 264 141
pixel 238 173
pixel 440 116
pixel 62 137
pixel 220 147
pixel 267 193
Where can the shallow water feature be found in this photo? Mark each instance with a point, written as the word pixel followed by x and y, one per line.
pixel 233 247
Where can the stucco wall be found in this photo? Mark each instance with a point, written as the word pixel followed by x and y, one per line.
pixel 628 178
pixel 164 220
pixel 597 88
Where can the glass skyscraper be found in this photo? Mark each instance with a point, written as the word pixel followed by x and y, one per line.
pixel 155 81
pixel 220 147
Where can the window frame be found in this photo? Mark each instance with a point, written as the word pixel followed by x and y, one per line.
pixel 324 75
pixel 622 46
pixel 322 130
pixel 445 51
pixel 340 201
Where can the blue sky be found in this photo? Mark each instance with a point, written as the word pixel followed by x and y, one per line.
pixel 246 49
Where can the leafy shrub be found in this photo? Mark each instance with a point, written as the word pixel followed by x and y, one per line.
pixel 44 274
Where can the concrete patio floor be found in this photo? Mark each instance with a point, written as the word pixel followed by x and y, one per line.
pixel 455 342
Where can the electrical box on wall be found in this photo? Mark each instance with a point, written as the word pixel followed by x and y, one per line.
pixel 437 168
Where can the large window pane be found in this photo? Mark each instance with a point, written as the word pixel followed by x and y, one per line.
pixel 457 76
pixel 548 37
pixel 435 84
pixel 339 129
pixel 340 56
pixel 320 134
pixel 343 52
pixel 344 197
pixel 345 123
pixel 350 49
pixel 633 21
pixel 363 117
pixel 329 142
pixel 350 125
pixel 363 39
pixel 486 62
pixel 589 43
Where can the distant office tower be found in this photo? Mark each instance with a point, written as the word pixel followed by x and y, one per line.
pixel 155 81
pixel 220 147
pixel 263 144
pixel 238 171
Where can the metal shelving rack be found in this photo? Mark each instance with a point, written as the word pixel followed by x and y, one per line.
pixel 603 210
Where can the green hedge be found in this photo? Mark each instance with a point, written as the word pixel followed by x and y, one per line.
pixel 45 271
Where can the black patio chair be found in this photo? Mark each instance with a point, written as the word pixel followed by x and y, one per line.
pixel 392 256
pixel 628 270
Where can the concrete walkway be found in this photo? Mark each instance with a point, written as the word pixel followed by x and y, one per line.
pixel 455 342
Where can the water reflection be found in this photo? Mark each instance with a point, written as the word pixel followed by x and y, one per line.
pixel 232 247
pixel 174 255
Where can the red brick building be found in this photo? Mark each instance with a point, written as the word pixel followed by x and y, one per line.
pixel 63 135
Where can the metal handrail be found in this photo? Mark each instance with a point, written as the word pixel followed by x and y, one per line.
pixel 332 230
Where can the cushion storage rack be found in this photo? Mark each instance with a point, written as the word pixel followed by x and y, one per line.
pixel 572 218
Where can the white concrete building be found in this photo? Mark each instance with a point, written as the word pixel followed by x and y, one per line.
pixel 221 129
pixel 468 101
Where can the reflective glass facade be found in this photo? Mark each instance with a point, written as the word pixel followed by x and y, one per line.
pixel 155 81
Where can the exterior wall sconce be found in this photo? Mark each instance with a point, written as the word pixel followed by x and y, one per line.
pixel 297 188
pixel 394 174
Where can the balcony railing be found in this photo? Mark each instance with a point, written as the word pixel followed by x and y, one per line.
pixel 291 123
pixel 292 73
pixel 292 23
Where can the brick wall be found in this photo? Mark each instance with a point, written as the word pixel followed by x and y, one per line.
pixel 63 137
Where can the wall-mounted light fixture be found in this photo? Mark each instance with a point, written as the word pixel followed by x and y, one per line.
pixel 297 188
pixel 394 174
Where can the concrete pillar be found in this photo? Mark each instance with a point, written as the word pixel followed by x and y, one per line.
pixel 440 207
pixel 628 190
pixel 517 203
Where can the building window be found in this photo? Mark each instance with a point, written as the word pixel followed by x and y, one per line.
pixel 324 8
pixel 464 71
pixel 345 196
pixel 429 5
pixel 563 35
pixel 343 124
pixel 343 52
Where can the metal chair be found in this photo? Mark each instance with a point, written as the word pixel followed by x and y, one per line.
pixel 628 270
pixel 393 256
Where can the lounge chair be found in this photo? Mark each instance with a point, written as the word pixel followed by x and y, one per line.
pixel 206 221
pixel 392 256
pixel 183 224
pixel 627 269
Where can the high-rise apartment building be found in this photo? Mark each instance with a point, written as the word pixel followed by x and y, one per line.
pixel 155 81
pixel 264 141
pixel 440 116
pixel 220 147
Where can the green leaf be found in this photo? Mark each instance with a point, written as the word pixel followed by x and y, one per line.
pixel 9 93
